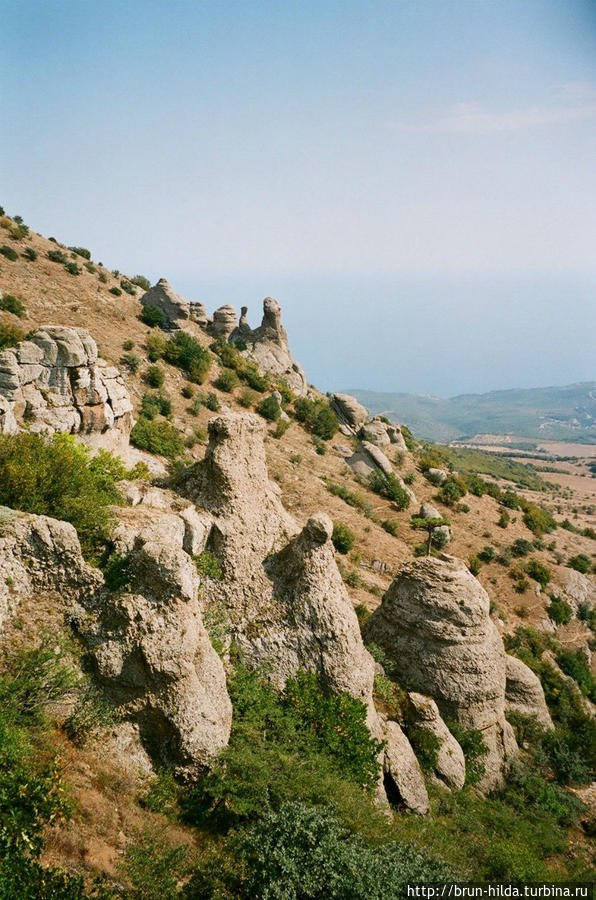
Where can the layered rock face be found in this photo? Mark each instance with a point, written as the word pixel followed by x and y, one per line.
pixel 434 624
pixel 153 656
pixel 450 767
pixel 224 323
pixel 39 554
pixel 351 415
pixel 54 382
pixel 268 345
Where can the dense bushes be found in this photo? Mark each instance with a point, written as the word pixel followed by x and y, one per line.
pixel 10 335
pixel 581 563
pixel 12 304
pixel 317 416
pixel 343 537
pixel 184 351
pixel 56 477
pixel 152 316
pixel 160 438
pixel 247 371
pixel 389 486
pixel 9 253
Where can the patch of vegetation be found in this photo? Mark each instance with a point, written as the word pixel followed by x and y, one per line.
pixel 452 491
pixel 57 256
pixel 349 497
pixel 30 254
pixel 185 352
pixel 389 486
pixel 537 519
pixel 10 303
pixel 81 251
pixel 9 253
pixel 115 291
pixel 269 409
pixel 521 547
pixel 575 664
pixel 132 362
pixel 391 526
pixel 156 404
pixel 127 287
pixel 227 380
pixel 159 438
pixel 154 376
pixel 141 282
pixel 247 371
pixel 539 572
pixel 431 525
pixel 343 537
pixel 581 563
pixel 153 316
pixel 559 611
pixel 57 477
pixel 317 416
pixel 208 565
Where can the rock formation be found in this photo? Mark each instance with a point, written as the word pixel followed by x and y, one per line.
pixel 268 346
pixel 224 322
pixel 351 415
pixel 435 626
pixel 428 511
pixel 523 692
pixel 450 767
pixel 163 296
pixel 579 589
pixel 368 457
pixel 54 382
pixel 39 554
pixel 403 780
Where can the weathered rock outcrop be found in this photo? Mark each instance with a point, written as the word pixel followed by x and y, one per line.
pixel 268 346
pixel 450 766
pixel 428 511
pixel 523 692
pixel 224 323
pixel 367 458
pixel 402 776
pixel 163 296
pixel 351 415
pixel 54 382
pixel 434 624
pixel 579 589
pixel 153 656
pixel 39 554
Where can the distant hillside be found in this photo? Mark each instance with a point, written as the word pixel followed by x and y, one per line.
pixel 551 413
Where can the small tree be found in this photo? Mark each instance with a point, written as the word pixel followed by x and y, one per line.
pixel 429 524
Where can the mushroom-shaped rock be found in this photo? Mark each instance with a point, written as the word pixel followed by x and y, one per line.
pixel 224 322
pixel 450 764
pixel 434 624
pixel 350 413
pixel 523 692
pixel 173 306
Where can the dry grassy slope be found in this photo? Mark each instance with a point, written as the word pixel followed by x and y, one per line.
pixel 52 295
pixel 105 789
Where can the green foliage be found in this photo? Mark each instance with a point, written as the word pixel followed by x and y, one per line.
pixel 56 477
pixel 153 868
pixel 303 744
pixel 474 564
pixel 269 409
pixel 72 268
pixel 560 611
pixel 10 335
pixel 12 304
pixel 154 404
pixel 128 344
pixel 298 852
pixel 153 316
pixel 103 278
pixel 473 747
pixel 117 572
pixel 430 525
pixel 247 371
pixel 503 520
pixel 281 428
pixel 30 254
pixel 538 571
pixel 317 416
pixel 160 438
pixel 132 362
pixel 141 282
pixel 409 478
pixel 154 376
pixel 521 547
pixel 389 486
pixel 90 268
pixel 115 291
pixel 187 391
pixel 411 442
pixel 9 253
pixel 155 345
pixel 247 398
pixel 162 794
pixel 81 251
pixel 57 256
pixel 470 462
pixel 487 554
pixel 452 491
pixel 575 664
pixel 537 519
pixel 127 287
pixel 211 402
pixel 581 563
pixel 227 380
pixel 426 746
pixel 208 565
pixel 343 537
pixel 349 497
pixel 184 351
pixel 363 614
pixel 391 526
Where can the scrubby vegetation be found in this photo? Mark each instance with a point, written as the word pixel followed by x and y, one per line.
pixel 12 304
pixel 10 335
pixel 343 537
pixel 317 416
pixel 389 486
pixel 160 438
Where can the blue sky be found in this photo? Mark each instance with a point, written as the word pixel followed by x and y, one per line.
pixel 414 180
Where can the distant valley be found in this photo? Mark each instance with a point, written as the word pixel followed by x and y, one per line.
pixel 565 414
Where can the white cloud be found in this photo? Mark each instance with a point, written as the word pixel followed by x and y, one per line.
pixel 576 101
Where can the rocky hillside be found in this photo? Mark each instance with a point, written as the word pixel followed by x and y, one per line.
pixel 269 606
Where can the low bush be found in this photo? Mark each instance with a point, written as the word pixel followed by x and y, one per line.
pixel 269 408
pixel 521 547
pixel 72 268
pixel 452 491
pixel 581 563
pixel 227 380
pixel 152 316
pixel 575 664
pixel 390 487
pixel 317 416
pixel 127 287
pixel 154 376
pixel 115 291
pixel 57 477
pixel 132 362
pixel 57 256
pixel 155 404
pixel 128 345
pixel 537 519
pixel 141 282
pixel 81 251
pixel 187 392
pixel 474 564
pixel 538 571
pixel 391 526
pixel 30 254
pixel 208 565
pixel 248 398
pixel 184 351
pixel 559 611
pixel 160 438
pixel 12 304
pixel 9 253
pixel 155 346
pixel 343 537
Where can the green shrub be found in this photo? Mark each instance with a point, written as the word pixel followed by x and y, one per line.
pixel 81 251
pixel 452 491
pixel 72 268
pixel 141 282
pixel 212 402
pixel 187 392
pixel 504 520
pixel 227 380
pixel 197 436
pixel 154 376
pixel 409 478
pixel 9 253
pixel 57 256
pixel 521 547
pixel 208 565
pixel 581 563
pixel 154 868
pixel 319 445
pixel 154 404
pixel 152 316
pixel 247 398
pixel 115 291
pixel 281 428
pixel 131 361
pixel 184 351
pixel 30 254
pixel 487 554
pixel 575 664
pixel 317 416
pixel 537 519
pixel 160 438
pixel 474 565
pixel 474 748
pixel 343 537
pixel 269 408
pixel 155 346
pixel 391 526
pixel 390 487
pixel 538 571
pixel 559 611
pixel 90 268
pixel 12 304
pixel 128 345
pixel 103 278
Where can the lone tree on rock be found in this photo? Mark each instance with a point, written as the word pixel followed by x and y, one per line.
pixel 429 525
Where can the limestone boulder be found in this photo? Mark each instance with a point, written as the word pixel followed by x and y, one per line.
pixel 450 766
pixel 402 776
pixel 224 322
pixel 163 296
pixel 350 413
pixel 435 626
pixel 579 589
pixel 523 692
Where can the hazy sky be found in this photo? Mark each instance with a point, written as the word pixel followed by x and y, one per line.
pixel 415 180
